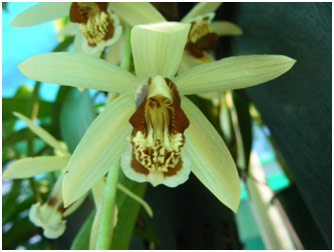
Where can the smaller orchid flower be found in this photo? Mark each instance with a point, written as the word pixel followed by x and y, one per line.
pixel 49 215
pixel 160 134
pixel 98 23
pixel 203 34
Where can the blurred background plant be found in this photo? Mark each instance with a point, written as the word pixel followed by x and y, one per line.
pixel 279 135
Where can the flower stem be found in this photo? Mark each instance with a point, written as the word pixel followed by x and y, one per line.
pixel 33 115
pixel 105 228
pixel 126 56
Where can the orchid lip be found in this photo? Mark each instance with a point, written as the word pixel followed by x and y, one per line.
pixel 157 138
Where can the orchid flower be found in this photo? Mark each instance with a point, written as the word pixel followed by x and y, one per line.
pixel 203 34
pixel 98 23
pixel 49 215
pixel 160 134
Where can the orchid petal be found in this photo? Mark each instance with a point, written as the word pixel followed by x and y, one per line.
pixel 29 167
pixel 76 204
pixel 201 9
pixel 41 13
pixel 224 28
pixel 49 219
pixel 233 73
pixel 100 147
pixel 158 48
pixel 137 13
pixel 211 162
pixel 78 70
pixel 42 133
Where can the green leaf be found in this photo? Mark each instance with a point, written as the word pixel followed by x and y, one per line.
pixel 127 213
pixel 23 106
pixel 76 114
pixel 19 233
pixel 81 240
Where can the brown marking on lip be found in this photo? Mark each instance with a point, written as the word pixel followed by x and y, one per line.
pixel 137 166
pixel 61 208
pixel 52 201
pixel 194 50
pixel 208 42
pixel 79 12
pixel 173 171
pixel 137 120
pixel 179 120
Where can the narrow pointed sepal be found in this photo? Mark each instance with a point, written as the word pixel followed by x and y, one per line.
pixel 29 167
pixel 137 13
pixel 211 161
pixel 233 73
pixel 101 146
pixel 225 28
pixel 78 70
pixel 41 13
pixel 201 9
pixel 43 134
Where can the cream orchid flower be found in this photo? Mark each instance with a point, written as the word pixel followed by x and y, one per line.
pixel 49 215
pixel 98 23
pixel 203 34
pixel 169 136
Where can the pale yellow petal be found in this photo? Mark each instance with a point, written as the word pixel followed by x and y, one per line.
pixel 114 53
pixel 136 13
pixel 29 167
pixel 211 161
pixel 76 204
pixel 233 73
pixel 201 9
pixel 41 13
pixel 48 218
pixel 100 147
pixel 225 28
pixel 43 134
pixel 78 70
pixel 158 48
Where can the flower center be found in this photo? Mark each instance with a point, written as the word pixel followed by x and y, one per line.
pixel 157 138
pixel 96 24
pixel 201 37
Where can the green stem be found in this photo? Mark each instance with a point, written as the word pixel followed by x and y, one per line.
pixel 105 228
pixel 30 149
pixel 126 56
